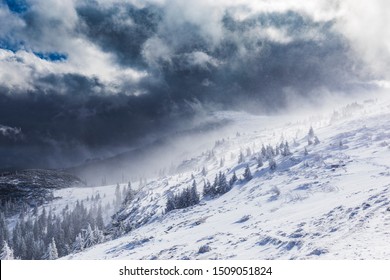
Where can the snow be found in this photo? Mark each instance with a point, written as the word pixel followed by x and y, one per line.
pixel 333 203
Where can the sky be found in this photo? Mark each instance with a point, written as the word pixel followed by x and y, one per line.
pixel 93 78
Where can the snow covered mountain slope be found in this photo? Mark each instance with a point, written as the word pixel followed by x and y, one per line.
pixel 329 200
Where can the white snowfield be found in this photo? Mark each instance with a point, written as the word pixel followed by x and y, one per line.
pixel 332 202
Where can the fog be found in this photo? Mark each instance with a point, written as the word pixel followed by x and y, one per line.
pixel 98 85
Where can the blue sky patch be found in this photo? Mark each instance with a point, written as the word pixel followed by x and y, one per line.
pixel 52 56
pixel 17 6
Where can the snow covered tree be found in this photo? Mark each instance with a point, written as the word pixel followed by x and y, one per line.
pixel 89 237
pixel 272 164
pixel 6 252
pixel 259 161
pixel 312 138
pixel 118 196
pixel 286 150
pixel 4 233
pixel 240 157
pixel 99 217
pixel 223 186
pixel 98 235
pixel 52 252
pixel 170 205
pixel 233 179
pixel 311 132
pixel 194 196
pixel 247 173
pixel 263 151
pixel 204 171
pixel 79 243
pixel 207 189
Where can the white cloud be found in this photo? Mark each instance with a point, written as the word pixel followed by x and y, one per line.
pixel 10 132
pixel 366 24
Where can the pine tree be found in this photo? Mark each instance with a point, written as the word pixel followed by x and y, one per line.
pixel 89 238
pixel 170 205
pixel 98 235
pixel 223 186
pixel 247 173
pixel 194 196
pixel 99 217
pixel 4 233
pixel 259 162
pixel 240 157
pixel 286 150
pixel 272 164
pixel 263 151
pixel 79 243
pixel 6 252
pixel 311 138
pixel 207 189
pixel 204 171
pixel 233 179
pixel 118 196
pixel 52 252
pixel 311 132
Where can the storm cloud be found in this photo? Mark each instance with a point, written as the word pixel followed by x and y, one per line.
pixel 92 78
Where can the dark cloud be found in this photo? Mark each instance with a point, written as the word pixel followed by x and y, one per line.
pixel 121 29
pixel 73 127
pixel 254 62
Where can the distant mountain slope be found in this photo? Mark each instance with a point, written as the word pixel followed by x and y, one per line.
pixel 328 198
pixel 34 186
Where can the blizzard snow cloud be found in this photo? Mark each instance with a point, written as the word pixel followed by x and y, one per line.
pixel 98 74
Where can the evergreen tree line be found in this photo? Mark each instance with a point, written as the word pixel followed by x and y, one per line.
pixel 13 206
pixel 186 198
pixel 49 236
pixel 219 186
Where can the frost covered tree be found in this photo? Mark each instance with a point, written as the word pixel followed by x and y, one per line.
pixel 194 196
pixel 312 138
pixel 207 189
pixel 286 150
pixel 311 132
pixel 233 179
pixel 4 233
pixel 272 164
pixel 247 173
pixel 263 151
pixel 223 186
pixel 79 244
pixel 186 198
pixel 52 252
pixel 98 235
pixel 118 196
pixel 6 252
pixel 259 161
pixel 89 237
pixel 240 157
pixel 170 205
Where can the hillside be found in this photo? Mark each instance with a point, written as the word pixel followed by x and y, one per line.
pixel 329 199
